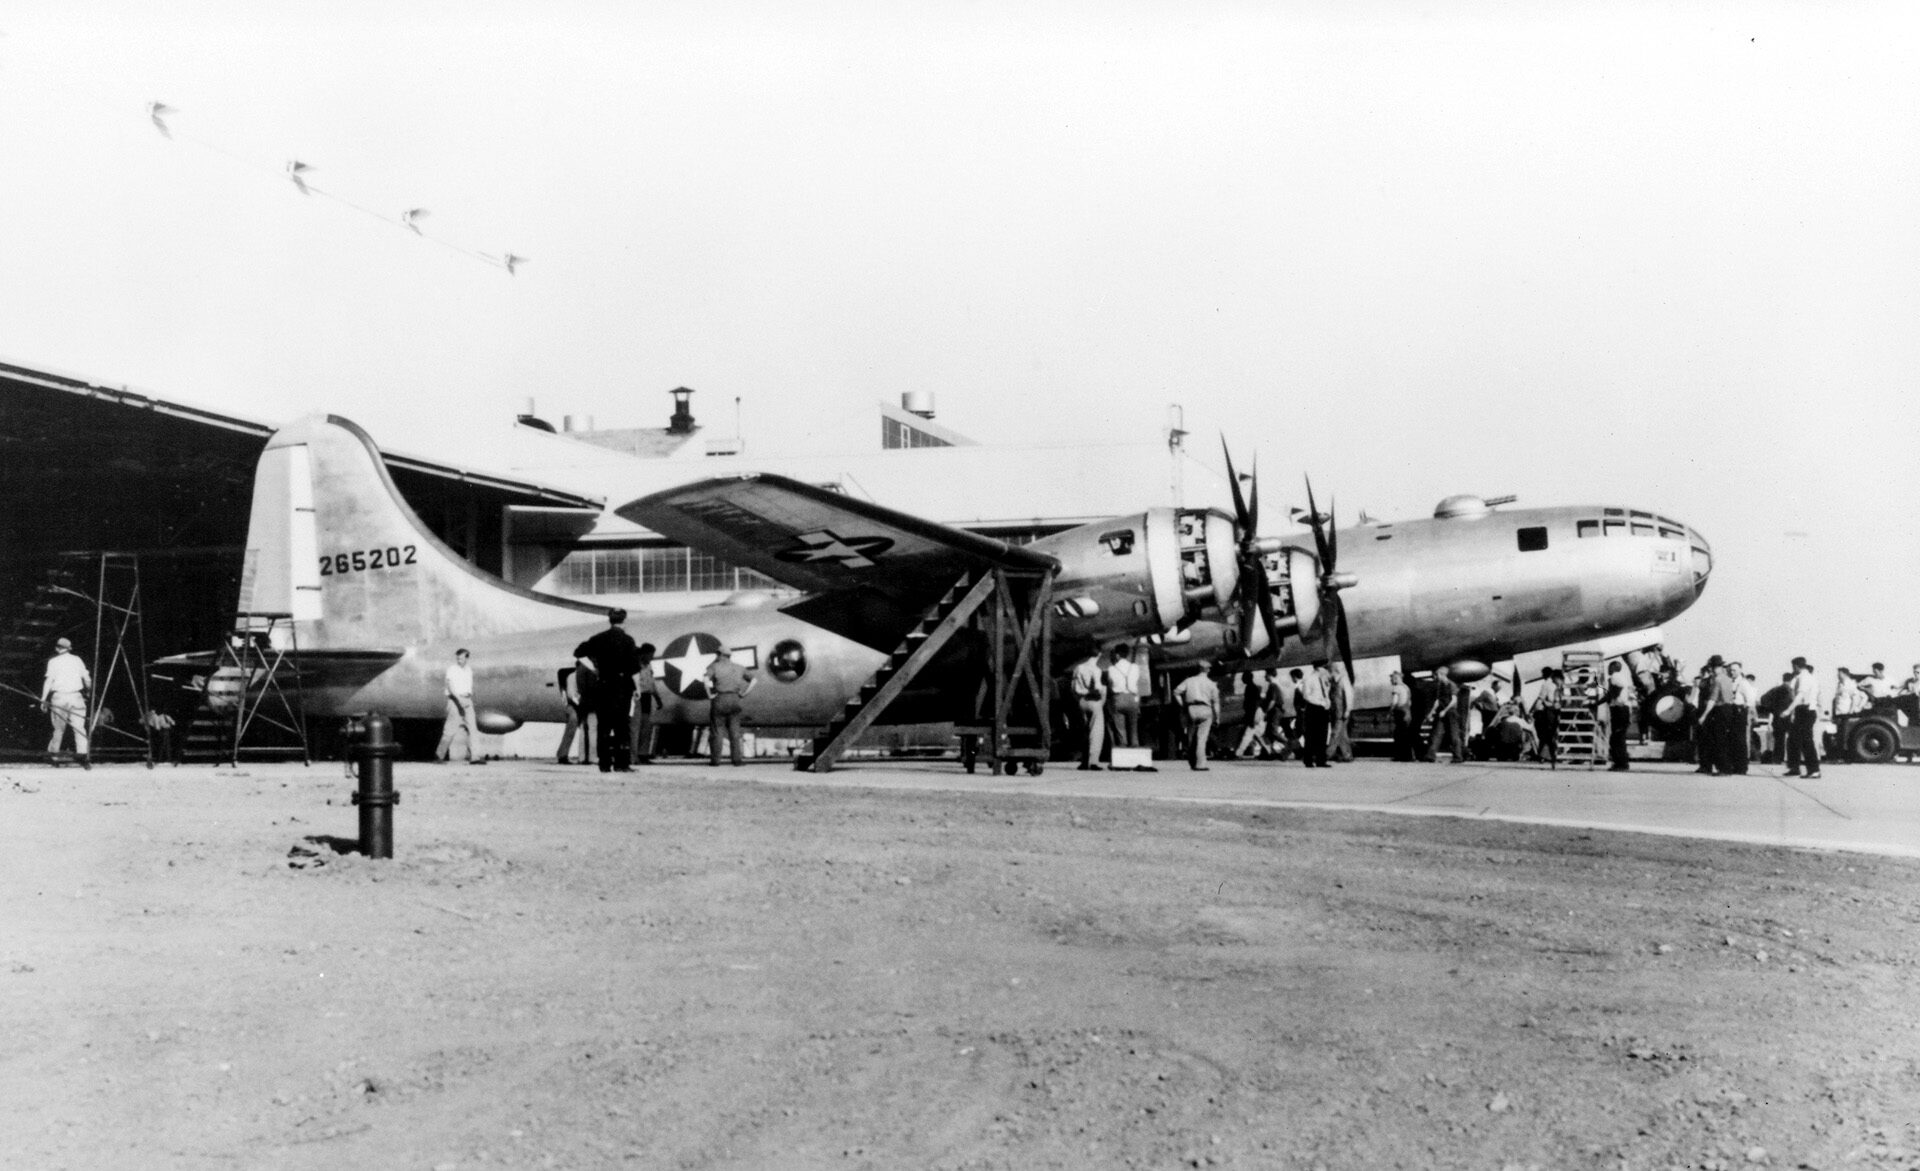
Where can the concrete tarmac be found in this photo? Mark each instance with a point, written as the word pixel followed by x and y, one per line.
pixel 1868 808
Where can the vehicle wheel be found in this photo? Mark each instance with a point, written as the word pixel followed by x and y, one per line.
pixel 1011 767
pixel 1035 768
pixel 1873 743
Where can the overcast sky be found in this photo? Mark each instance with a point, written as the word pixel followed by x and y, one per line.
pixel 1659 255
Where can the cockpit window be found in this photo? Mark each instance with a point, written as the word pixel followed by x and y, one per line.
pixel 1532 539
pixel 1587 528
pixel 1672 534
pixel 1614 511
pixel 1642 529
pixel 1119 542
pixel 1615 527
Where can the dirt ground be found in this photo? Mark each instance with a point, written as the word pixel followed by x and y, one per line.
pixel 679 969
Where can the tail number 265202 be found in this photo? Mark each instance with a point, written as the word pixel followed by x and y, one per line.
pixel 391 557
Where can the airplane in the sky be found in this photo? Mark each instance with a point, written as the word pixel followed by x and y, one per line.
pixel 378 605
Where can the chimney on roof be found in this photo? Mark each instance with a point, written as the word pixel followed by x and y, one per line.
pixel 682 422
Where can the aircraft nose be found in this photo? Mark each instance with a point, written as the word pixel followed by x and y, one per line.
pixel 1702 560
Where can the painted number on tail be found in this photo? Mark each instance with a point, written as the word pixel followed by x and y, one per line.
pixel 390 557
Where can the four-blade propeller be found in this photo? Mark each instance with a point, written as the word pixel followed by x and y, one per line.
pixel 1333 612
pixel 1251 591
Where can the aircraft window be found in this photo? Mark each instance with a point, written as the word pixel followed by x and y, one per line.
pixel 1614 511
pixel 1119 542
pixel 1615 527
pixel 788 661
pixel 1533 539
pixel 1672 524
pixel 1672 534
pixel 1587 528
pixel 1642 529
pixel 1638 515
pixel 1383 536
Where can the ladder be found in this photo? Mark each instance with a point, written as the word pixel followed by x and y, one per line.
pixel 1580 691
pixel 254 691
pixel 95 589
pixel 919 646
pixel 951 613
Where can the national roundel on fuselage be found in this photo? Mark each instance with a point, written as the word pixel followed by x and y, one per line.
pixel 683 665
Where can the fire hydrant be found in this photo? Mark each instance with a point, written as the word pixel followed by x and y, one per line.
pixel 374 748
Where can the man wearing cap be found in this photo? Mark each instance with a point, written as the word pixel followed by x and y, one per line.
pixel 63 696
pixel 1199 699
pixel 614 660
pixel 727 684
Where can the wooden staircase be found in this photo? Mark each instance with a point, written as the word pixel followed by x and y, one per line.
pixel 935 628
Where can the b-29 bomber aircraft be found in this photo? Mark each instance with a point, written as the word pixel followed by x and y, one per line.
pixel 378 604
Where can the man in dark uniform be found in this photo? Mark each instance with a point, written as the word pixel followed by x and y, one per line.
pixel 613 659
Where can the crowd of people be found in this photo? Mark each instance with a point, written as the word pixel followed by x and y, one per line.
pixel 612 696
pixel 1304 714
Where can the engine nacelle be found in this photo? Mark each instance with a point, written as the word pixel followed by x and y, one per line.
pixel 1142 574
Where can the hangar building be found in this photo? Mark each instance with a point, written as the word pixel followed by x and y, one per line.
pixel 101 481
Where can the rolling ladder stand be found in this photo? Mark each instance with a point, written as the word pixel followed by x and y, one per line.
pixel 1579 737
pixel 1012 608
pixel 103 587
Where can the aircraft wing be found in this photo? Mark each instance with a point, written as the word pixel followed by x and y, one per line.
pixel 821 541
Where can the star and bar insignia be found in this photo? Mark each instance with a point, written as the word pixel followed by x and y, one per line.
pixel 826 545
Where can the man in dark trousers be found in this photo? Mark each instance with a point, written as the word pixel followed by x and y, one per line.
pixel 1619 695
pixel 613 659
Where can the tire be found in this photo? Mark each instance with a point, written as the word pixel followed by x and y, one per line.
pixel 1036 767
pixel 1872 742
pixel 1010 767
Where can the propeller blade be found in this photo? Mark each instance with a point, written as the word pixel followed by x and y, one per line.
pixel 1346 643
pixel 1233 482
pixel 1265 598
pixel 1313 518
pixel 1253 499
pixel 1333 538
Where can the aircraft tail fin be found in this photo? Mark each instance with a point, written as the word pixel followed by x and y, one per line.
pixel 331 543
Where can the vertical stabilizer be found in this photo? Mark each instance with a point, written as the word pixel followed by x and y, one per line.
pixel 331 543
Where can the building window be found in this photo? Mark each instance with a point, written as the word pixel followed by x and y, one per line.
pixel 663 570
pixel 1533 539
pixel 707 572
pixel 895 435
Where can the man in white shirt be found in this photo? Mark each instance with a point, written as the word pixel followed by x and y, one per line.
pixel 1199 699
pixel 460 717
pixel 1090 691
pixel 63 696
pixel 1801 748
pixel 1314 702
pixel 1876 685
pixel 1123 690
